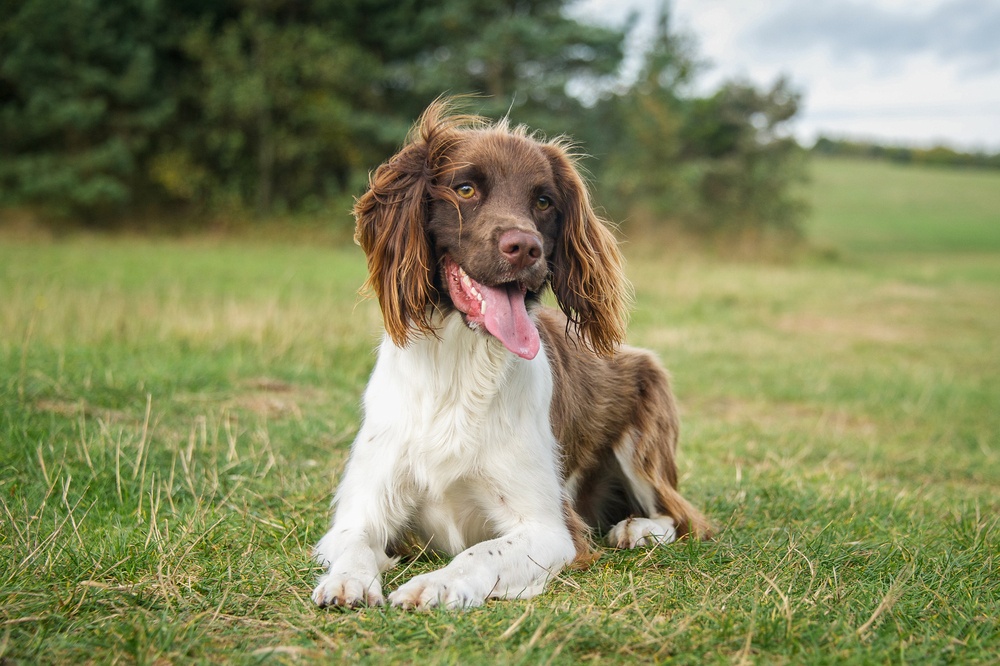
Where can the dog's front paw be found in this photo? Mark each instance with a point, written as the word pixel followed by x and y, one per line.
pixel 635 532
pixel 341 589
pixel 435 590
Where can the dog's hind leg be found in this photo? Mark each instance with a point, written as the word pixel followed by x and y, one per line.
pixel 646 455
pixel 665 515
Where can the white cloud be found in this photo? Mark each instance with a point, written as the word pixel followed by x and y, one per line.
pixel 963 31
pixel 917 71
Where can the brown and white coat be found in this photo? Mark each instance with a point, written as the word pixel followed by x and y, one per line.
pixel 495 429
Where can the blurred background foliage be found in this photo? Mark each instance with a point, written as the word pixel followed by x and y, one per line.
pixel 189 110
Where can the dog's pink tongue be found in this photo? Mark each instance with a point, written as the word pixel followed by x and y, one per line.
pixel 506 317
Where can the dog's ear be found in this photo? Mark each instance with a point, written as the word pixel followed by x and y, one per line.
pixel 587 275
pixel 391 223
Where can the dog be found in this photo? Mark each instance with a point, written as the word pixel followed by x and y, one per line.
pixel 496 430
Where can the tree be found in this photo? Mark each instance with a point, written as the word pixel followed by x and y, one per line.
pixel 516 56
pixel 262 104
pixel 280 101
pixel 746 159
pixel 643 138
pixel 722 164
pixel 284 105
pixel 80 96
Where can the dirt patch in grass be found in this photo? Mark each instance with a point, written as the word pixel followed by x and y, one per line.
pixel 853 330
pixel 77 408
pixel 769 415
pixel 273 398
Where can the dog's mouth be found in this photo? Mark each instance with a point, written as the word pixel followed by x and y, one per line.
pixel 500 309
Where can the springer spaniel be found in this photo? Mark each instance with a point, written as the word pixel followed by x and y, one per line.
pixel 496 430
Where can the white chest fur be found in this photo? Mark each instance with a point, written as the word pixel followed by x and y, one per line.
pixel 456 445
pixel 463 425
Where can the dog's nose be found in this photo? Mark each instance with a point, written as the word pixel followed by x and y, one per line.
pixel 520 248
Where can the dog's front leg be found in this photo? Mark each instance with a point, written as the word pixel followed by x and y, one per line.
pixel 353 550
pixel 354 577
pixel 514 566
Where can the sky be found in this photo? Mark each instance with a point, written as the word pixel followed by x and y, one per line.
pixel 914 72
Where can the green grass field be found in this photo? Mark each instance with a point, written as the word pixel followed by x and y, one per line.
pixel 174 414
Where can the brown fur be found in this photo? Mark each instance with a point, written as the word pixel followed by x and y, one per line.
pixel 391 218
pixel 607 397
pixel 393 215
pixel 596 404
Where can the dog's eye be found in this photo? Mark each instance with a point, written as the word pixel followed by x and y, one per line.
pixel 466 191
pixel 543 203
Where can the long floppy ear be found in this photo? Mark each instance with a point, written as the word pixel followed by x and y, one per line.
pixel 587 275
pixel 391 223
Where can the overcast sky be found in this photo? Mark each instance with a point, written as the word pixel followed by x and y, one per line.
pixel 907 71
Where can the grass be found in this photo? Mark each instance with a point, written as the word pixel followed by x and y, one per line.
pixel 173 416
pixel 874 207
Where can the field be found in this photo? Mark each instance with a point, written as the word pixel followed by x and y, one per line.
pixel 174 414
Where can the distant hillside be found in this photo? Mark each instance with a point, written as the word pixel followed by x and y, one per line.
pixel 938 155
pixel 871 206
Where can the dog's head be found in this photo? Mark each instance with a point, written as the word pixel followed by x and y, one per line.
pixel 481 218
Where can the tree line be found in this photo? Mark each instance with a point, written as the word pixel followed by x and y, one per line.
pixel 264 107
pixel 934 156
